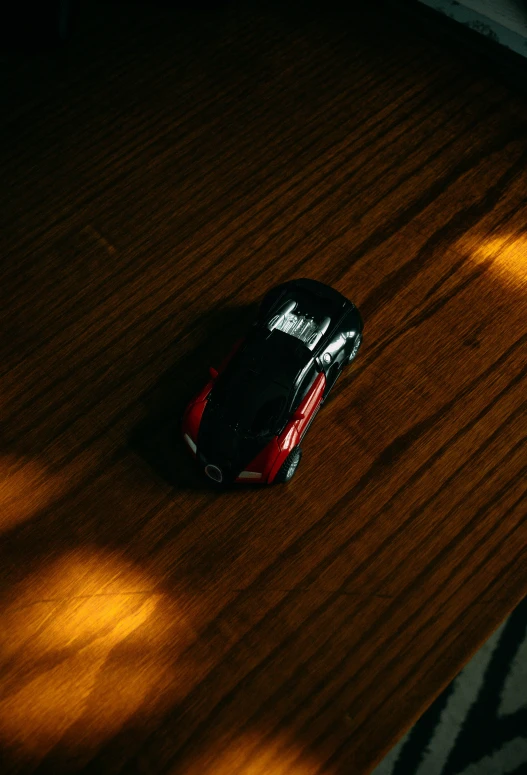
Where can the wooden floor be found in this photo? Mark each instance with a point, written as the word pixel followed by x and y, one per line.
pixel 158 176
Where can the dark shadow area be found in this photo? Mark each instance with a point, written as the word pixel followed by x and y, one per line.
pixel 37 25
pixel 44 26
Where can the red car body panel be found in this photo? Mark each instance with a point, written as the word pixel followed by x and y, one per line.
pixel 194 413
pixel 271 459
pixel 263 463
pixel 310 404
pixel 195 409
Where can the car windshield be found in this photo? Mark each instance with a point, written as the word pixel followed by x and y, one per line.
pixel 252 405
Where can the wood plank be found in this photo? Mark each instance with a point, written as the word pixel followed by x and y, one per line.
pixel 154 188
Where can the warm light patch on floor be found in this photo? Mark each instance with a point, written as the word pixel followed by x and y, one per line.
pixel 507 254
pixel 84 644
pixel 26 486
pixel 255 755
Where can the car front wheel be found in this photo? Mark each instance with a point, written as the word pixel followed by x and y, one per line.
pixel 288 468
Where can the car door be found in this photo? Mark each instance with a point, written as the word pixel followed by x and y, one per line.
pixel 309 404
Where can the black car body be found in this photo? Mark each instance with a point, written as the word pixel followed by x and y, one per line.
pixel 248 421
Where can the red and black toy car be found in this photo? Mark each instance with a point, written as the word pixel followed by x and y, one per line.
pixel 247 423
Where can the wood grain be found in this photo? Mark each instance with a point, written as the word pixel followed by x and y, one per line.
pixel 159 174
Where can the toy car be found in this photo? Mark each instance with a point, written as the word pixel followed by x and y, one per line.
pixel 248 422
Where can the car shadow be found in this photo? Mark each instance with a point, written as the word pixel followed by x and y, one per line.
pixel 156 438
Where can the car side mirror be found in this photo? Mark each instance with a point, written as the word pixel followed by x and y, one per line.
pixel 213 372
pixel 298 415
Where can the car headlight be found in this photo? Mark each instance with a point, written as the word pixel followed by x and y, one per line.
pixel 249 475
pixel 190 443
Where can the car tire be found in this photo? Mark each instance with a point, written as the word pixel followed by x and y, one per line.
pixel 356 348
pixel 288 468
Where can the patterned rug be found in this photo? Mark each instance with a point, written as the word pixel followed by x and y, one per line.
pixel 503 21
pixel 478 725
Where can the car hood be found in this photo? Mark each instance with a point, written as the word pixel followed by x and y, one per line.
pixel 222 445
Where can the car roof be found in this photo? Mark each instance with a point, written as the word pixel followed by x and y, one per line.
pixel 275 355
pixel 269 362
pixel 264 371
